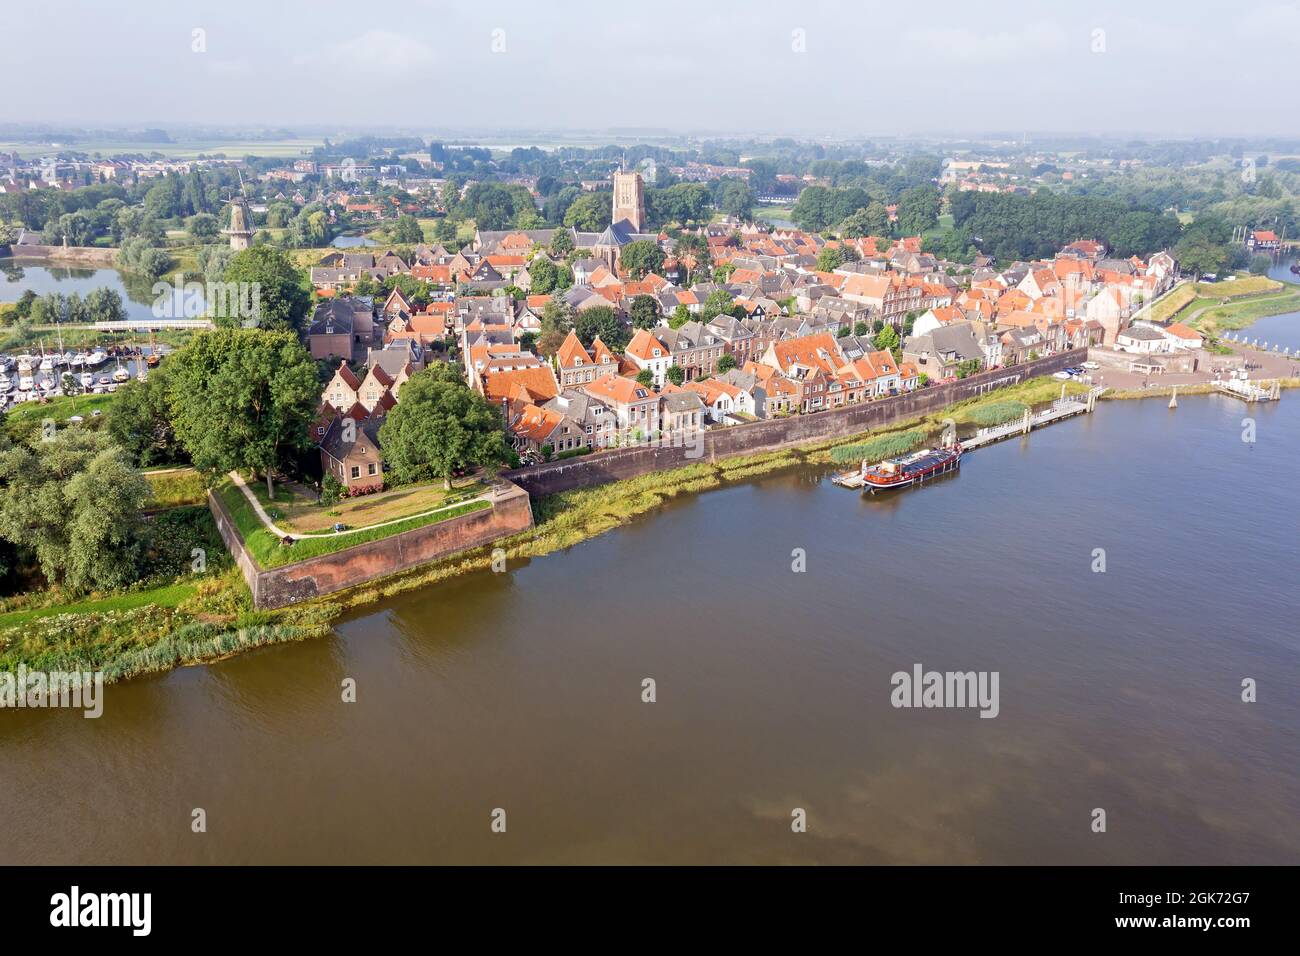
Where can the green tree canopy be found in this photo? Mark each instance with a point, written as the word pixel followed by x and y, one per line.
pixel 641 258
pixel 74 501
pixel 644 312
pixel 139 420
pixel 441 426
pixel 283 292
pixel 242 398
pixel 601 320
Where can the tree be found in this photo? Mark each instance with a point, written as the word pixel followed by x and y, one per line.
pixel 644 312
pixel 590 212
pixel 1260 265
pixel 675 374
pixel 830 258
pixel 603 321
pixel 886 339
pixel 561 243
pixel 283 294
pixel 542 275
pixel 137 255
pixel 139 422
pixel 718 301
pixel 444 230
pixel 645 377
pixel 242 398
pixel 641 258
pixel 556 321
pixel 734 198
pixel 918 210
pixel 441 426
pixel 681 315
pixel 871 220
pixel 1198 253
pixel 74 503
pixel 203 226
pixel 726 362
pixel 407 230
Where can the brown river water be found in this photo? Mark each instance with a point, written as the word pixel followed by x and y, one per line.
pixel 523 691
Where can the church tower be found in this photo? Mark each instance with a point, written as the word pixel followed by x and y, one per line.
pixel 629 199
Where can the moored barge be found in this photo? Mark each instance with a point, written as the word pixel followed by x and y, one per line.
pixel 905 471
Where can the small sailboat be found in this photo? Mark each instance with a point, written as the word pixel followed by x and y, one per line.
pixel 86 379
pixel 25 363
pixel 26 383
pixel 120 374
pixel 5 383
pixel 47 383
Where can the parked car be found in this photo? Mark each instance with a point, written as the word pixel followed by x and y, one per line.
pixel 1092 365
pixel 1062 375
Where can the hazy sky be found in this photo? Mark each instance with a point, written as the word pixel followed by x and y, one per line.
pixel 856 68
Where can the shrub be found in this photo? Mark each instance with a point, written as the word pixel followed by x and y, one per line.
pixel 331 489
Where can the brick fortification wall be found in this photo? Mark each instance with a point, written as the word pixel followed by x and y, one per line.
pixel 277 587
pixel 602 467
pixel 86 255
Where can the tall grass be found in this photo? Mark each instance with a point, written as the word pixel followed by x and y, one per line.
pixel 885 446
pixel 997 413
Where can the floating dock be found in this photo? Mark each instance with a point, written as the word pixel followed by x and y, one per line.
pixel 1249 391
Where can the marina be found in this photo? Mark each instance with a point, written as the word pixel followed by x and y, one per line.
pixel 35 377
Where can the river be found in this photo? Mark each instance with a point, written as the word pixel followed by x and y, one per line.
pixel 522 691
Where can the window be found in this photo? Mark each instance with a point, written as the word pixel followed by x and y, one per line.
pixel 356 472
pixel 370 469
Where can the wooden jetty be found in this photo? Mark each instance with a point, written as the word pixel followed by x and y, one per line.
pixel 1060 409
pixel 1249 391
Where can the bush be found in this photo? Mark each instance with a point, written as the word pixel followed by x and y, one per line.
pixel 331 489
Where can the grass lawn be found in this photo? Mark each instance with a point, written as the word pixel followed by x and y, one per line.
pixel 267 551
pixel 1231 288
pixel 303 515
pixel 168 595
pixel 1209 315
pixel 176 486
pixel 1173 303
pixel 28 415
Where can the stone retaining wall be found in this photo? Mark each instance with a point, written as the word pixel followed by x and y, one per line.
pixel 277 587
pixel 83 255
pixel 602 467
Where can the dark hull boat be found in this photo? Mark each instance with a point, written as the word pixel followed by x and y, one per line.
pixel 911 469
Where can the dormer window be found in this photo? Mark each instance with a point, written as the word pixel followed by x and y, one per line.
pixel 657 353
